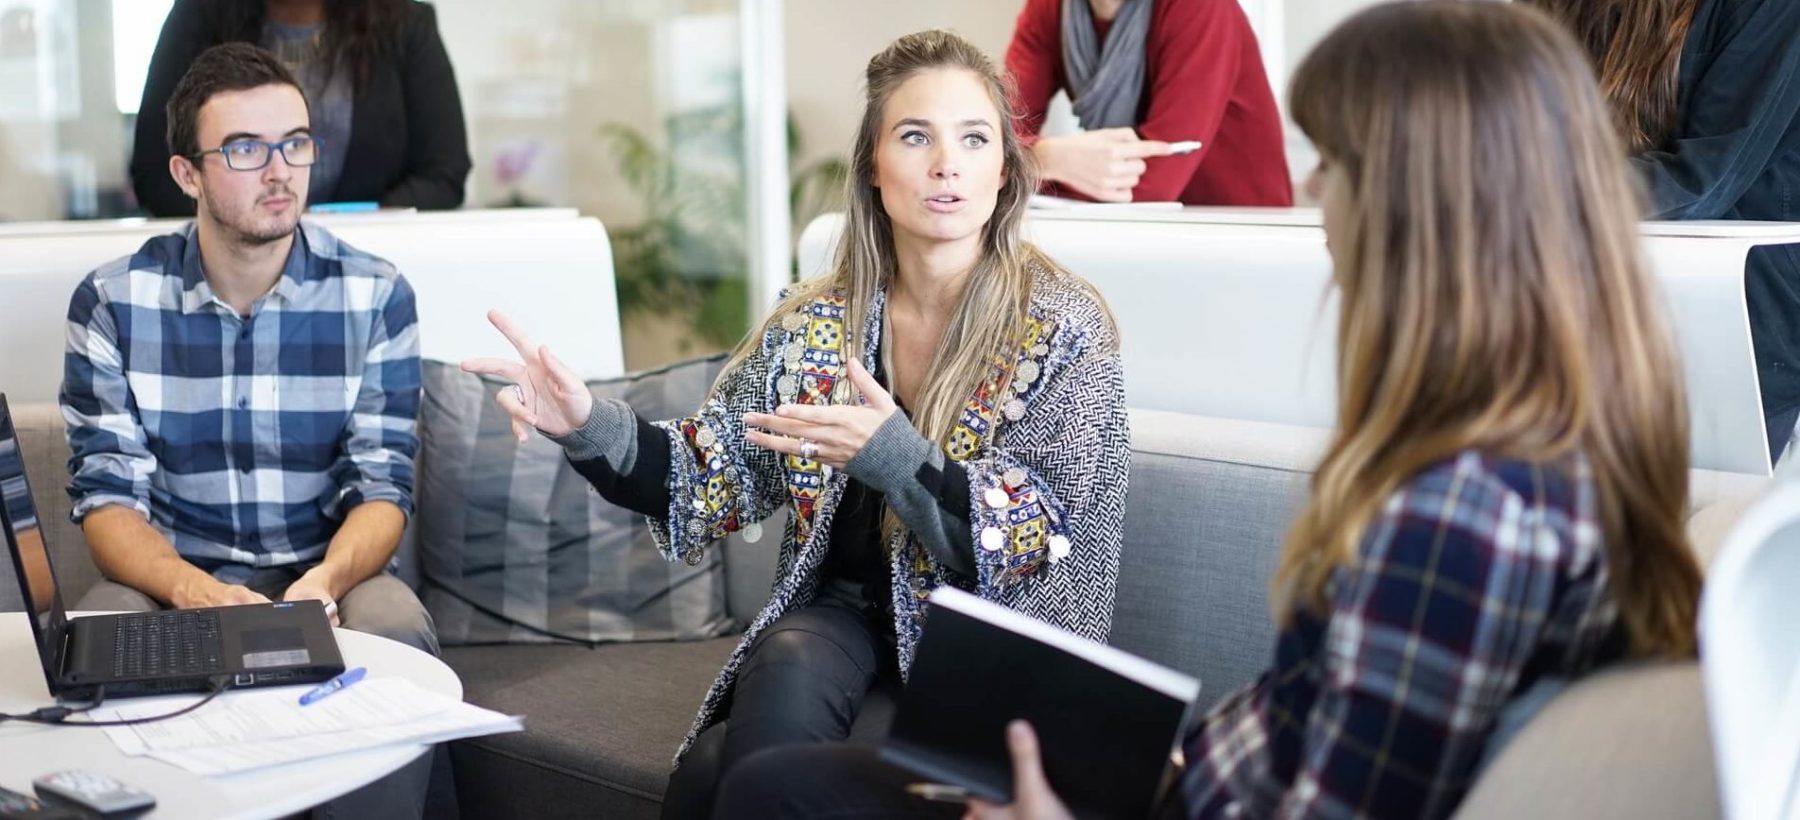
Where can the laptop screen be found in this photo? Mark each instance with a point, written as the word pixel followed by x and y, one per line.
pixel 25 539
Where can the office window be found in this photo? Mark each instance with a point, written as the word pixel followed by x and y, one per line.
pixel 135 25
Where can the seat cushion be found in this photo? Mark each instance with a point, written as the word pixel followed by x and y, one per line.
pixel 601 725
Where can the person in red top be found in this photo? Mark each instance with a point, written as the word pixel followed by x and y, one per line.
pixel 1143 74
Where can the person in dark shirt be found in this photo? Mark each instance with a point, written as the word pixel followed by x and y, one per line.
pixel 1501 504
pixel 1707 95
pixel 384 102
pixel 944 406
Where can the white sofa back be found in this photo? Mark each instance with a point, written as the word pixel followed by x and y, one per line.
pixel 549 269
pixel 1227 312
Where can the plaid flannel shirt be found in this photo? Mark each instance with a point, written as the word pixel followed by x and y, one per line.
pixel 244 440
pixel 1479 577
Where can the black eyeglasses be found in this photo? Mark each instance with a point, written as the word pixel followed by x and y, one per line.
pixel 254 155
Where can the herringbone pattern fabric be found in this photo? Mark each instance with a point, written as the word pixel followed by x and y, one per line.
pixel 1071 447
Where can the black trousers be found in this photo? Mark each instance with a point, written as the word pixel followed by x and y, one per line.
pixel 845 781
pixel 804 681
pixel 836 780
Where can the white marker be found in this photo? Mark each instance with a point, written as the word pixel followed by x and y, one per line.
pixel 1184 147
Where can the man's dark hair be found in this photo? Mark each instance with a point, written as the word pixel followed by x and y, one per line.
pixel 222 68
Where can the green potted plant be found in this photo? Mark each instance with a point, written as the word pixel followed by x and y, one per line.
pixel 688 255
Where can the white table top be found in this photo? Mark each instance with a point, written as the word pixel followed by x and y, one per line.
pixel 29 750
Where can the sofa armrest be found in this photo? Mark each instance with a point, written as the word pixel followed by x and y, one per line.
pixel 1626 742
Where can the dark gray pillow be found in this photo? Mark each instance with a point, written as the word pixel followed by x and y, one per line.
pixel 516 548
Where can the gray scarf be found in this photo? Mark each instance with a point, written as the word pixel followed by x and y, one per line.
pixel 1105 85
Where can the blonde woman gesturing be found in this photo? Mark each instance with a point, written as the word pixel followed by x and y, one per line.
pixel 944 406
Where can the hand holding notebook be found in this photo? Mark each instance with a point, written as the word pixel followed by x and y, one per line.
pixel 1106 721
pixel 1032 796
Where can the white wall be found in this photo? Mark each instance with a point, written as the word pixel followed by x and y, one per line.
pixel 1306 22
pixel 548 73
pixel 829 43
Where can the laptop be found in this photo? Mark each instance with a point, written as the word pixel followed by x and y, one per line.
pixel 151 653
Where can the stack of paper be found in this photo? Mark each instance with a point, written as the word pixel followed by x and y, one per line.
pixel 250 730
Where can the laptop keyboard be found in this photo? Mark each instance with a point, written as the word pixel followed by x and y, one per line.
pixel 166 643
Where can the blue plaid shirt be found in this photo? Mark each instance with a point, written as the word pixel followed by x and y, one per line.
pixel 244 440
pixel 1478 578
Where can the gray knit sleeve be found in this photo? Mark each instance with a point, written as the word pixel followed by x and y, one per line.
pixel 609 434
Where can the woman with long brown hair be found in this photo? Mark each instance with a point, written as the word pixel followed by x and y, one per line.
pixel 1707 96
pixel 1501 502
pixel 943 406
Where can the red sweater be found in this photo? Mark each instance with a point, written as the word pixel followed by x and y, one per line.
pixel 1203 80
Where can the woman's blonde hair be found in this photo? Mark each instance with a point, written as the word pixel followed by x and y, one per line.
pixel 988 320
pixel 1492 293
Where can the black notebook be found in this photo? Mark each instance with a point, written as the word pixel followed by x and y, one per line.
pixel 1106 721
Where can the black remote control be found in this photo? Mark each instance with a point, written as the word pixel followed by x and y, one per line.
pixel 92 791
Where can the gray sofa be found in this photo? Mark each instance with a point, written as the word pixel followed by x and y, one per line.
pixel 1209 502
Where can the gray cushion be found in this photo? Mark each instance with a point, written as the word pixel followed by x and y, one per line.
pixel 45 448
pixel 1202 532
pixel 601 725
pixel 1628 742
pixel 516 547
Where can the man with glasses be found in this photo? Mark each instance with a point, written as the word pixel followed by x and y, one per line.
pixel 241 394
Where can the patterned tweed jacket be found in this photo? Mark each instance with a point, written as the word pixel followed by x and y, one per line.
pixel 1048 429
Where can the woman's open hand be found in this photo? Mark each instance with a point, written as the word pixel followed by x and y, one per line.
pixel 837 431
pixel 545 394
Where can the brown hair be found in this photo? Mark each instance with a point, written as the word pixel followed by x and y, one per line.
pixel 1636 47
pixel 1492 293
pixel 222 68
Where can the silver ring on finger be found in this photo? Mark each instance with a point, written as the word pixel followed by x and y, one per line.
pixel 809 450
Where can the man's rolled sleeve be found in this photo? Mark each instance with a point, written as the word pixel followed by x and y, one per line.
pixel 375 460
pixel 110 461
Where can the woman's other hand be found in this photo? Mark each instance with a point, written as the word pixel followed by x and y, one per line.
pixel 837 431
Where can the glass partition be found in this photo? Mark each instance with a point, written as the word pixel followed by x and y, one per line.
pixel 656 116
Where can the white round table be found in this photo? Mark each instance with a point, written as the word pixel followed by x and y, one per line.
pixel 29 750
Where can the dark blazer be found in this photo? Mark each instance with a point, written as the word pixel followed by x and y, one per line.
pixel 1735 154
pixel 408 144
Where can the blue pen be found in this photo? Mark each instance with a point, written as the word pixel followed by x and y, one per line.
pixel 333 685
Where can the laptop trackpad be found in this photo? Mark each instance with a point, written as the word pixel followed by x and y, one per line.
pixel 266 648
